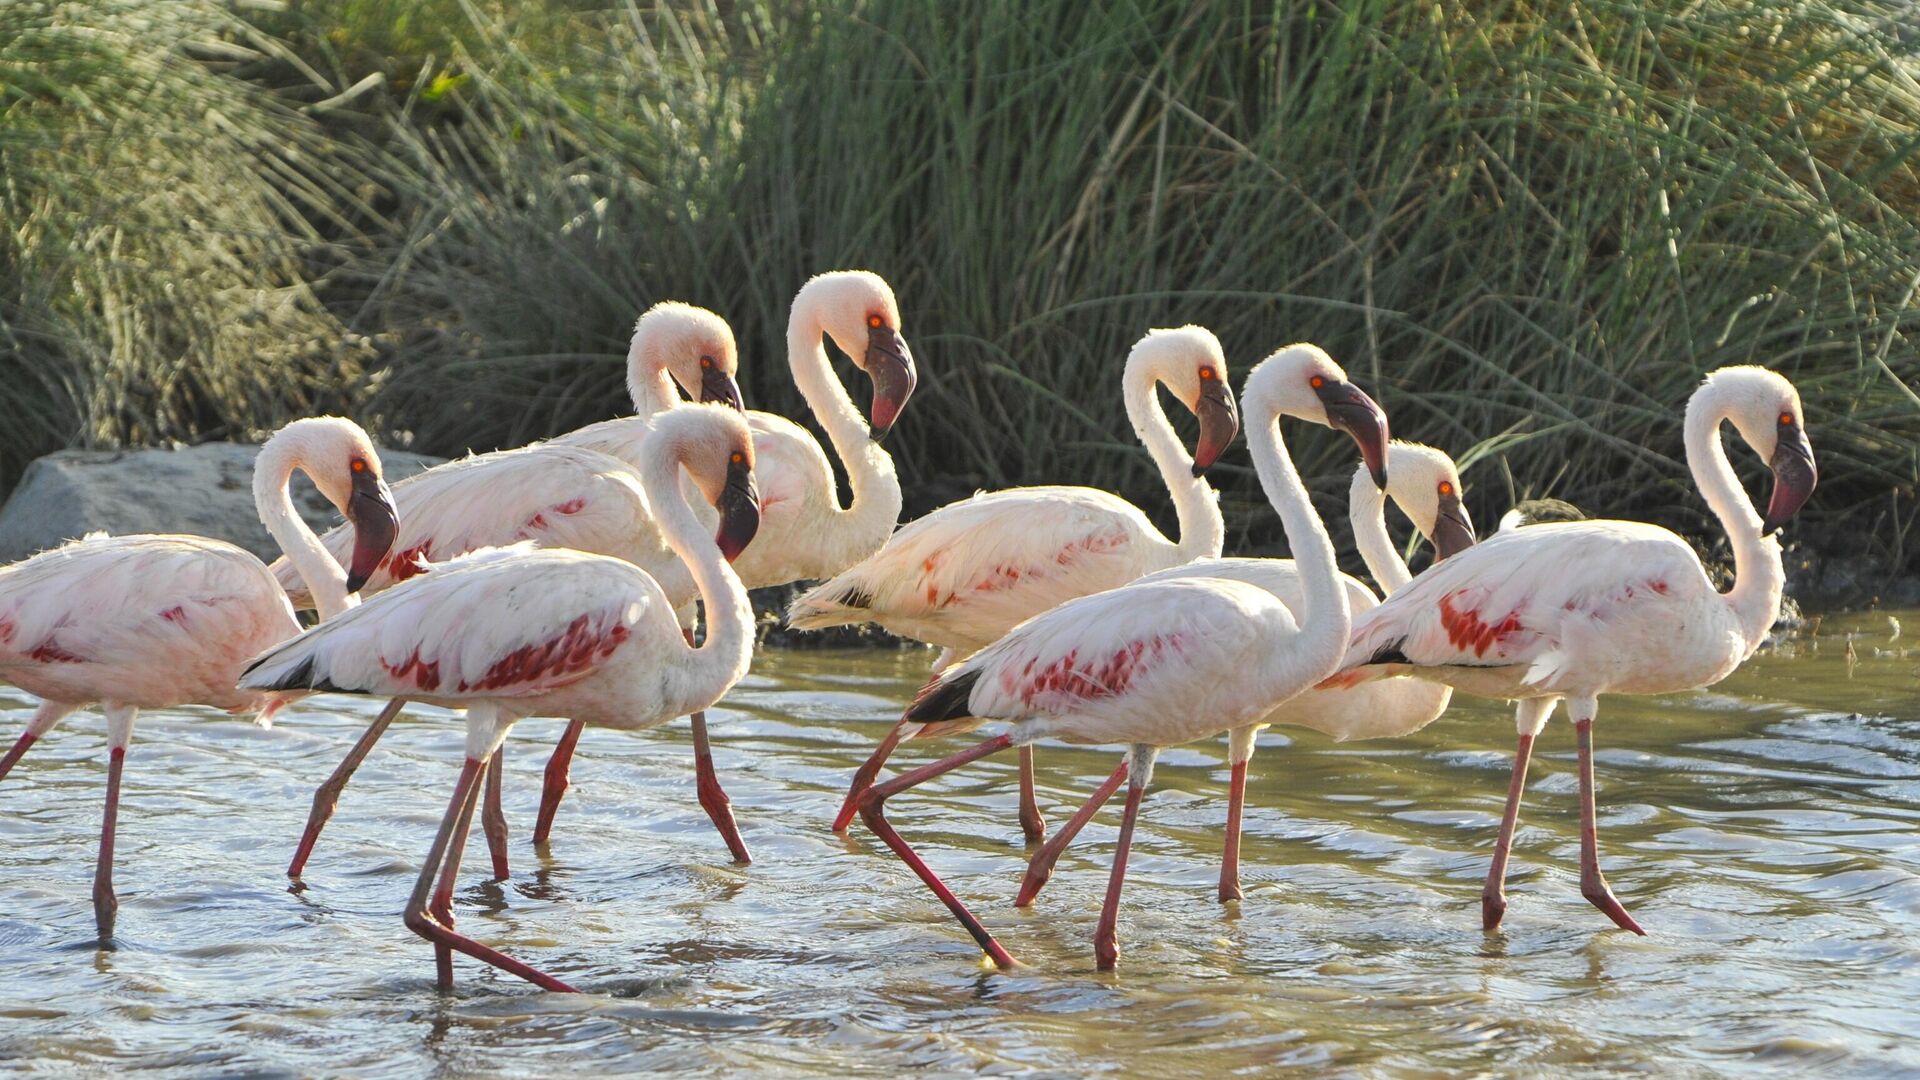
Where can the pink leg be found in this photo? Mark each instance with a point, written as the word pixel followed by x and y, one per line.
pixel 327 796
pixel 27 738
pixel 105 904
pixel 1031 823
pixel 1493 898
pixel 441 908
pixel 873 813
pixel 422 922
pixel 1230 858
pixel 493 819
pixel 863 778
pixel 557 776
pixel 1593 884
pixel 712 799
pixel 1106 948
pixel 1041 867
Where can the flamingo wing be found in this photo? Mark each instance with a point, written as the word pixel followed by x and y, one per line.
pixel 556 496
pixel 1523 597
pixel 972 570
pixel 498 623
pixel 1281 577
pixel 1145 656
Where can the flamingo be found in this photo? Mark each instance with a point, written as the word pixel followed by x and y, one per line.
pixel 1425 484
pixel 804 531
pixel 1573 610
pixel 965 574
pixel 1154 664
pixel 507 633
pixel 157 621
pixel 560 495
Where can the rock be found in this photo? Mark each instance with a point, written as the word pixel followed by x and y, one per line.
pixel 206 490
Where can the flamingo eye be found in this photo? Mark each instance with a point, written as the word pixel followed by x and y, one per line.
pixel 1206 374
pixel 1786 419
pixel 875 322
pixel 706 362
pixel 357 465
pixel 1317 382
pixel 1446 487
pixel 737 458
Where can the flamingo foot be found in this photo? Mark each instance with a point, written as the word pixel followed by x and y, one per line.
pixel 327 796
pixel 1032 825
pixel 493 819
pixel 1493 908
pixel 1600 895
pixel 864 776
pixel 713 798
pixel 558 779
pixel 1040 868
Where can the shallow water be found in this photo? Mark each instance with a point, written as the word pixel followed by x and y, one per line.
pixel 1764 832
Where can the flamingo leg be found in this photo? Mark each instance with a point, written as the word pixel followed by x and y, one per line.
pixel 26 739
pixel 713 799
pixel 1041 867
pixel 864 776
pixel 1240 743
pixel 48 714
pixel 422 922
pixel 1106 948
pixel 1032 825
pixel 105 905
pixel 1593 884
pixel 1493 898
pixel 441 907
pixel 493 819
pixel 558 767
pixel 873 813
pixel 327 796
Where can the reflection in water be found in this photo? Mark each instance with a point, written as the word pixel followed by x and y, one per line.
pixel 1763 831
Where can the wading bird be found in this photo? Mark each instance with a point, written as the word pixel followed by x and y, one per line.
pixel 964 575
pixel 157 621
pixel 1158 664
pixel 509 633
pixel 1574 610
pixel 1426 486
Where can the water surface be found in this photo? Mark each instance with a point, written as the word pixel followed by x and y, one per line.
pixel 1763 831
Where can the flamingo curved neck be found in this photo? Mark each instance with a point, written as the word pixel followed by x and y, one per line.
pixel 1325 618
pixel 1758 575
pixel 862 526
pixel 325 579
pixel 649 385
pixel 719 661
pixel 1367 512
pixel 1203 531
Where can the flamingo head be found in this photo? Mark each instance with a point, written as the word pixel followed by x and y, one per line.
pixel 1189 362
pixel 691 344
pixel 340 459
pixel 1425 485
pixel 1303 381
pixel 715 446
pixel 857 310
pixel 1765 409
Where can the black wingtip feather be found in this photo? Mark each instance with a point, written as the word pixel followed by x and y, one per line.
pixel 856 597
pixel 1390 654
pixel 299 677
pixel 943 698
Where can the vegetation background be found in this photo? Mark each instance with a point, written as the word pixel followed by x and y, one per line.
pixel 1529 228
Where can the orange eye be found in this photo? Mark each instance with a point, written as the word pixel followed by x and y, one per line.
pixel 1446 487
pixel 358 465
pixel 706 361
pixel 875 321
pixel 1786 419
pixel 1206 374
pixel 738 458
pixel 1316 382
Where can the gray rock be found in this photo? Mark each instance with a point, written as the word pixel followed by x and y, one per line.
pixel 205 490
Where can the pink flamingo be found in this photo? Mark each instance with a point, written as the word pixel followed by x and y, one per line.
pixel 1570 611
pixel 964 575
pixel 1426 486
pixel 1154 664
pixel 158 621
pixel 508 633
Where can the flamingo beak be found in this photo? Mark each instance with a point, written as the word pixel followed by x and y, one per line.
pixel 1453 529
pixel 718 386
pixel 375 526
pixel 889 363
pixel 739 506
pixel 1349 409
pixel 1219 423
pixel 1794 477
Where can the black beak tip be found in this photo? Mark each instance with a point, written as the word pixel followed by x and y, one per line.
pixel 879 434
pixel 1199 470
pixel 1379 477
pixel 1770 528
pixel 355 582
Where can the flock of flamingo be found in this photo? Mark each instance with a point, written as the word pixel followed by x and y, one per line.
pixel 561 580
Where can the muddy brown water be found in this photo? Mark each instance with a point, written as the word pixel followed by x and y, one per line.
pixel 1764 831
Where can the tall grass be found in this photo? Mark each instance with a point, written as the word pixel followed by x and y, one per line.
pixel 1530 228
